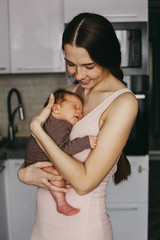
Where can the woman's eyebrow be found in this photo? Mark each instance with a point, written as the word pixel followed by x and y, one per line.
pixel 81 64
pixel 68 60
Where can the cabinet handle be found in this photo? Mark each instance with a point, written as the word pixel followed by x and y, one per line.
pixel 140 96
pixel 123 208
pixel 18 164
pixel 38 68
pixel 120 15
pixel 3 68
pixel 2 168
pixel 140 169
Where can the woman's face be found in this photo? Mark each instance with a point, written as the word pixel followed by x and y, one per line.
pixel 82 67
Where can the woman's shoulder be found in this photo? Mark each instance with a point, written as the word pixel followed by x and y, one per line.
pixel 121 95
pixel 127 97
pixel 125 102
pixel 122 111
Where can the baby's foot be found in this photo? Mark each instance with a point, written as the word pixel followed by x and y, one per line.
pixel 66 209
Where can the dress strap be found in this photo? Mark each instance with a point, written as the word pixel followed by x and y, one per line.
pixel 97 111
pixel 74 90
pixel 107 102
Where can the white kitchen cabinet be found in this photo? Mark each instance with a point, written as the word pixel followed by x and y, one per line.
pixel 129 221
pixel 113 10
pixel 3 207
pixel 4 38
pixel 20 201
pixel 35 35
pixel 136 187
pixel 127 203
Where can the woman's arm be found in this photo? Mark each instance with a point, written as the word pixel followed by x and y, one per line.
pixel 115 126
pixel 40 174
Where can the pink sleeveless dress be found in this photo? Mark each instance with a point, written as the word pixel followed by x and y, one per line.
pixel 92 222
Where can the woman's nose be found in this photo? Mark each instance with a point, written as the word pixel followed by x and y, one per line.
pixel 79 74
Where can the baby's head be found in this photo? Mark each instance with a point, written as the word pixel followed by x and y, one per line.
pixel 68 106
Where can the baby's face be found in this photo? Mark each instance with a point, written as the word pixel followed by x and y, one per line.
pixel 71 109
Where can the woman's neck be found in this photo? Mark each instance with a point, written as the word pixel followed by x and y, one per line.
pixel 107 85
pixel 94 96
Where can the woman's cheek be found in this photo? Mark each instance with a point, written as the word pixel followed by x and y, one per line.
pixel 70 70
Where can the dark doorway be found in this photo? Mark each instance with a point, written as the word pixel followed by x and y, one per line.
pixel 154 120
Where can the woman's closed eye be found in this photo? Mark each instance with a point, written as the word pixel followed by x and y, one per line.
pixel 70 64
pixel 87 66
pixel 90 66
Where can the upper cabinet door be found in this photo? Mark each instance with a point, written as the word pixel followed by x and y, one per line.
pixel 113 10
pixel 4 38
pixel 36 29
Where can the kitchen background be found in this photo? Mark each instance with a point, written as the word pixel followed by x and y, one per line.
pixel 34 90
pixel 35 77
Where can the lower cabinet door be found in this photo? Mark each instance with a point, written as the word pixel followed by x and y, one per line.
pixel 129 220
pixel 21 201
pixel 135 189
pixel 3 207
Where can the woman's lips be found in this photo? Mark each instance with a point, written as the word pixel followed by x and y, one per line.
pixel 84 82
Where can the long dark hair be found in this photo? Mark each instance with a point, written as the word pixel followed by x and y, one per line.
pixel 96 34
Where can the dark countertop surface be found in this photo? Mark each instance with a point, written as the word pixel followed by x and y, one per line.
pixel 13 150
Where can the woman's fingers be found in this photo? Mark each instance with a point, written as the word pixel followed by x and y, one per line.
pixel 68 186
pixel 57 189
pixel 36 176
pixel 51 100
pixel 43 114
pixel 51 170
pixel 49 185
pixel 47 110
pixel 43 164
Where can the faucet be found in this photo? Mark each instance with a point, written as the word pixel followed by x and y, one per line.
pixel 11 129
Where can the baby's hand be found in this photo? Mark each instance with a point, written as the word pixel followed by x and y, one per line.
pixel 93 141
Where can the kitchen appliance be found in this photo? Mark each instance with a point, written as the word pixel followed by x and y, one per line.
pixel 133 39
pixel 138 141
pixel 131 47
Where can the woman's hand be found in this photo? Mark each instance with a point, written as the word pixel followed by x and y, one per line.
pixel 40 174
pixel 42 116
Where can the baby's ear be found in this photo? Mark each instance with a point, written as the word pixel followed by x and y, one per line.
pixel 55 108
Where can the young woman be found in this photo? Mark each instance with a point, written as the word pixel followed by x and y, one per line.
pixel 93 58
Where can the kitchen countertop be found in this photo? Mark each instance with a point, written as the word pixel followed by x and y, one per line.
pixel 17 148
pixel 14 150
